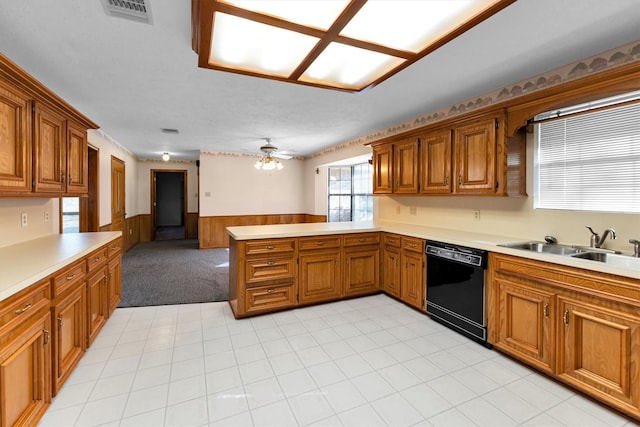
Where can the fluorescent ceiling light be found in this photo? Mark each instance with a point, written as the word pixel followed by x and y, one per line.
pixel 341 44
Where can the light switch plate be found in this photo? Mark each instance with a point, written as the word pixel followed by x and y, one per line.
pixel 23 219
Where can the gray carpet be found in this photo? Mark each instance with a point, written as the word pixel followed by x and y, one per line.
pixel 174 272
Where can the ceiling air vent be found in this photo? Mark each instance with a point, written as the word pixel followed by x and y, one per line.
pixel 170 131
pixel 134 10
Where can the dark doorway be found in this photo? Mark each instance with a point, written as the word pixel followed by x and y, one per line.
pixel 168 204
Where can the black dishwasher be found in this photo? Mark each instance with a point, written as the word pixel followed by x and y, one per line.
pixel 455 288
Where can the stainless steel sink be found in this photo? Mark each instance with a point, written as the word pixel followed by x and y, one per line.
pixel 542 247
pixel 624 261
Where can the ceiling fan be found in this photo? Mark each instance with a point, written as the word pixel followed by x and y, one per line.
pixel 270 156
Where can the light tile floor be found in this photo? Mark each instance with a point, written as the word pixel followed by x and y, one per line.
pixel 363 362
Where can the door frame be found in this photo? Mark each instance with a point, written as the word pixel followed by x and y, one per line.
pixel 90 205
pixel 152 201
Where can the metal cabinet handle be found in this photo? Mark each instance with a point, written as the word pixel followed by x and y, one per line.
pixel 545 310
pixel 270 290
pixel 70 179
pixel 23 309
pixel 98 259
pixel 361 240
pixel 446 180
pixel 46 336
pixel 565 317
pixel 62 177
pixel 271 247
pixel 71 276
pixel 459 179
pixel 59 322
pixel 319 243
pixel 412 245
pixel 271 262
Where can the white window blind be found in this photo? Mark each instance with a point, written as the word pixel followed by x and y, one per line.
pixel 590 162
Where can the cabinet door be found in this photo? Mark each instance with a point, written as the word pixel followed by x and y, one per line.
pixel 77 158
pixel 362 267
pixel 382 169
pixel 525 321
pixel 97 310
pixel 50 153
pixel 114 283
pixel 413 284
pixel 435 163
pixel 405 166
pixel 25 375
pixel 599 351
pixel 475 152
pixel 69 335
pixel 391 271
pixel 319 276
pixel 15 149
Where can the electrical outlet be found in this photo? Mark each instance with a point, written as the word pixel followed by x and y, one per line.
pixel 46 216
pixel 413 211
pixel 476 215
pixel 23 219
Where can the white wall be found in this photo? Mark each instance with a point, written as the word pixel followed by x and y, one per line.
pixel 510 216
pixel 107 149
pixel 230 185
pixel 144 183
pixel 12 232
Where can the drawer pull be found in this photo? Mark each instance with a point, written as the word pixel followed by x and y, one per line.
pixel 46 336
pixel 565 317
pixel 361 240
pixel 98 259
pixel 115 248
pixel 59 322
pixel 23 309
pixel 392 240
pixel 319 243
pixel 271 247
pixel 412 245
pixel 270 290
pixel 271 262
pixel 545 310
pixel 71 276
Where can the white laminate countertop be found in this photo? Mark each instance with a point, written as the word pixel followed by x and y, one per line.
pixel 487 242
pixel 25 263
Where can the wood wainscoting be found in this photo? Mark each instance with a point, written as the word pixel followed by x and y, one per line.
pixel 213 233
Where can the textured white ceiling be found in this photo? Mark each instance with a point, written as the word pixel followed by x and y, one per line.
pixel 133 79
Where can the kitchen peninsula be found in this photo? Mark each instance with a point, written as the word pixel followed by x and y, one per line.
pixel 574 319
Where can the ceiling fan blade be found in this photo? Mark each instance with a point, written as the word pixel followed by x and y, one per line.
pixel 282 156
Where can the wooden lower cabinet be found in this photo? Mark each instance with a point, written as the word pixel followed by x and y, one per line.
pixel 97 307
pixel 114 282
pixel 391 270
pixel 362 270
pixel 599 351
pixel 25 371
pixel 68 320
pixel 319 276
pixel 270 298
pixel 412 276
pixel 581 327
pixel 526 323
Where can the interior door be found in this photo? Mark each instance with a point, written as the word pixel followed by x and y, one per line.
pixel 118 212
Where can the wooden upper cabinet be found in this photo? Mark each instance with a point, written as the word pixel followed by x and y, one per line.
pixel 15 150
pixel 77 158
pixel 405 166
pixel 435 163
pixel 475 157
pixel 382 169
pixel 50 151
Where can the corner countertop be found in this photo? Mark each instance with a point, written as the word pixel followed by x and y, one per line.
pixel 25 263
pixel 487 242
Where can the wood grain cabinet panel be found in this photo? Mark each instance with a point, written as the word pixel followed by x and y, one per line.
pixel 270 298
pixel 50 151
pixel 435 163
pixel 383 169
pixel 599 351
pixel 413 284
pixel 362 270
pixel 97 304
pixel 114 283
pixel 405 166
pixel 15 147
pixel 319 276
pixel 77 159
pixel 475 157
pixel 526 318
pixel 391 271
pixel 25 372
pixel 68 319
pixel 270 269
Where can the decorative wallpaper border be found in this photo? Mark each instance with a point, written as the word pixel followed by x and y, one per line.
pixel 594 64
pixel 231 154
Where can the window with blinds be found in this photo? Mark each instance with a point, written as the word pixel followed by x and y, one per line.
pixel 590 161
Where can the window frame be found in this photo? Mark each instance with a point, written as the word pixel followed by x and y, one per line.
pixel 352 194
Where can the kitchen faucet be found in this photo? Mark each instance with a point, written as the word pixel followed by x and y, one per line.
pixel 596 241
pixel 636 247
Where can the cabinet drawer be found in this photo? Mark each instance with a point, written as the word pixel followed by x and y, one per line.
pixel 270 298
pixel 362 239
pixel 391 240
pixel 114 248
pixel 262 270
pixel 97 259
pixel 320 242
pixel 413 244
pixel 17 308
pixel 262 247
pixel 66 278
